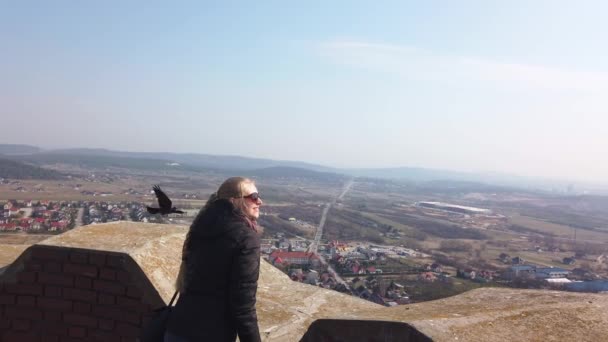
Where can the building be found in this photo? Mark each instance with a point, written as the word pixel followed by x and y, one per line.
pixel 588 286
pixel 518 261
pixel 531 271
pixel 569 261
pixel 518 271
pixel 551 272
pixel 294 258
pixel 461 209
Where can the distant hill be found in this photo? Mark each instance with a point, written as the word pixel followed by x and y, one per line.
pixel 489 179
pixel 100 161
pixel 207 162
pixel 411 173
pixel 16 170
pixel 295 172
pixel 198 160
pixel 12 149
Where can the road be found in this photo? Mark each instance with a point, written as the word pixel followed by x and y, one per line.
pixel 319 233
pixel 78 222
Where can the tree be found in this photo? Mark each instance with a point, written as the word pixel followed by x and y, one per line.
pixel 455 246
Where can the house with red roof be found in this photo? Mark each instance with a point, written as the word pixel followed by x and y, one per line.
pixel 24 225
pixel 427 277
pixel 39 223
pixel 8 227
pixel 294 258
pixel 58 225
pixel 8 205
pixel 13 211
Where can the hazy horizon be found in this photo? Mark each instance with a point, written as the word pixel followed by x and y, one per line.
pixel 515 88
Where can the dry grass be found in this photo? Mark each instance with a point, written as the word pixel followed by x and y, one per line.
pixel 22 238
pixel 558 230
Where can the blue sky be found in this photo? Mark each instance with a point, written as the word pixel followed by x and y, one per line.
pixel 513 86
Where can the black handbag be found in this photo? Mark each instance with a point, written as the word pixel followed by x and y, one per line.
pixel 154 331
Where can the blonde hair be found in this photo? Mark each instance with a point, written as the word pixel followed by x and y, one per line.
pixel 233 189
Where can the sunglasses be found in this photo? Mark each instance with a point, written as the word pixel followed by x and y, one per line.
pixel 253 196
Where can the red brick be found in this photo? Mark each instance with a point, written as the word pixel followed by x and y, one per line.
pixel 52 291
pixel 53 328
pixel 26 301
pixel 79 269
pixel 79 257
pixel 130 317
pixel 80 320
pixel 106 311
pixel 56 279
pixel 80 294
pixel 80 307
pixel 26 277
pixel 4 324
pixel 134 292
pixel 109 287
pixel 19 336
pixel 106 299
pixel 97 259
pixel 7 299
pixel 116 261
pixel 52 316
pixel 21 324
pixel 22 313
pixel 123 276
pixel 106 324
pixel 107 273
pixel 54 304
pixel 50 338
pixel 33 266
pixel 72 339
pixel 83 282
pixel 102 336
pixel 77 332
pixel 117 314
pixel 52 267
pixel 46 253
pixel 26 289
pixel 125 329
pixel 131 303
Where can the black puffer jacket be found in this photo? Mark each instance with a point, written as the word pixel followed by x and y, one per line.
pixel 222 267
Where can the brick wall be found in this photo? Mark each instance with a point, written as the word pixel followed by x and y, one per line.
pixel 65 294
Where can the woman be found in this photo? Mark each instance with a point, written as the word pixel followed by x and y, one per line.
pixel 220 268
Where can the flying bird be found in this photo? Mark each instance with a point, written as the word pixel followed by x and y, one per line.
pixel 164 204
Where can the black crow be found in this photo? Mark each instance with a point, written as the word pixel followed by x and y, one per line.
pixel 164 204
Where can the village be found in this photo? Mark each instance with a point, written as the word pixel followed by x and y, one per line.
pixel 396 275
pixel 38 217
pixel 385 274
pixel 54 217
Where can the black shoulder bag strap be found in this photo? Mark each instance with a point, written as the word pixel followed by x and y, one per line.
pixel 173 299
